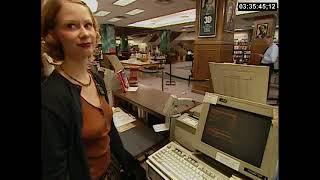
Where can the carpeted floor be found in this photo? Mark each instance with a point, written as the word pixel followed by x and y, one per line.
pixel 179 69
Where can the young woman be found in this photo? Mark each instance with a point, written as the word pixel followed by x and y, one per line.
pixel 78 134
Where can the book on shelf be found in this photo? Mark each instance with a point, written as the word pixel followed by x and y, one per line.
pixel 241 51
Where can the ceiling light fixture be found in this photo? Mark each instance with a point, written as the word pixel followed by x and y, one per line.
pixel 135 11
pixel 92 4
pixel 102 13
pixel 239 29
pixel 123 2
pixel 114 19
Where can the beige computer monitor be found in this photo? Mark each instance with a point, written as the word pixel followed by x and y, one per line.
pixel 239 80
pixel 247 146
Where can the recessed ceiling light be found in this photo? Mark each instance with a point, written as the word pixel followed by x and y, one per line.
pixel 123 2
pixel 92 4
pixel 134 12
pixel 102 13
pixel 114 19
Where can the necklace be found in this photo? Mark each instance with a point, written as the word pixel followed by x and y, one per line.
pixel 82 84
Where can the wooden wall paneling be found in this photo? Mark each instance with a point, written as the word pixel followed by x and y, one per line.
pixel 226 53
pixel 205 56
pixel 210 49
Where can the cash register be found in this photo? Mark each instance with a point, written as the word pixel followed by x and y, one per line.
pixel 233 139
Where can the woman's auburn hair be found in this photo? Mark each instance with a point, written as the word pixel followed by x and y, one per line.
pixel 49 11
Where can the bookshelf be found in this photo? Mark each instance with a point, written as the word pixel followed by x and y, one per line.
pixel 241 51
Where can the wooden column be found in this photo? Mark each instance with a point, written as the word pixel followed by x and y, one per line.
pixel 257 43
pixel 211 49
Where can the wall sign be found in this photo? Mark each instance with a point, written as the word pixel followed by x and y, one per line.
pixel 207 18
pixel 230 12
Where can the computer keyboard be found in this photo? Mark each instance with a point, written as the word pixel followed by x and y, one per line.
pixel 179 164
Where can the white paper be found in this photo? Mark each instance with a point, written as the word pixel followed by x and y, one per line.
pixel 191 121
pixel 185 118
pixel 132 89
pixel 228 161
pixel 160 127
pixel 210 98
pixel 121 118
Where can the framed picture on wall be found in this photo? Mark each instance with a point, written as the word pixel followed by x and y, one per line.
pixel 230 12
pixel 207 18
pixel 262 30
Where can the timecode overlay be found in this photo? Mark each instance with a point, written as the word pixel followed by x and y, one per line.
pixel 246 6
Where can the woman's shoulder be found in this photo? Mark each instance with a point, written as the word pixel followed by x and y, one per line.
pixel 56 90
pixel 53 83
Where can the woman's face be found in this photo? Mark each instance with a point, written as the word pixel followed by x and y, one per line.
pixel 75 31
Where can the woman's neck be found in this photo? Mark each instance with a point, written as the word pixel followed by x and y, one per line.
pixel 77 68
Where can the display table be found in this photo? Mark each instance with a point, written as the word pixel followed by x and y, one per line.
pixel 134 62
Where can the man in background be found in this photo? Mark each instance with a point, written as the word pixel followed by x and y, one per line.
pixel 270 56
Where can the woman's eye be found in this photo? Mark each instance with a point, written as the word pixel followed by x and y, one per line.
pixel 88 25
pixel 71 26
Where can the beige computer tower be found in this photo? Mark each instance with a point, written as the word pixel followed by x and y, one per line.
pixel 182 133
pixel 239 80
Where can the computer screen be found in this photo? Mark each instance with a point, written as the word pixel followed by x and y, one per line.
pixel 240 134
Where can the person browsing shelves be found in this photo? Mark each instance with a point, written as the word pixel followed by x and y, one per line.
pixel 270 56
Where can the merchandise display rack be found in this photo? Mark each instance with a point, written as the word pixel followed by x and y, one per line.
pixel 241 52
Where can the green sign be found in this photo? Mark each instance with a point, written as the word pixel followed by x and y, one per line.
pixel 108 38
pixel 165 41
pixel 207 21
pixel 124 46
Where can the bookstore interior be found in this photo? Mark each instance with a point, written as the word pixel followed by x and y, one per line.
pixel 193 85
